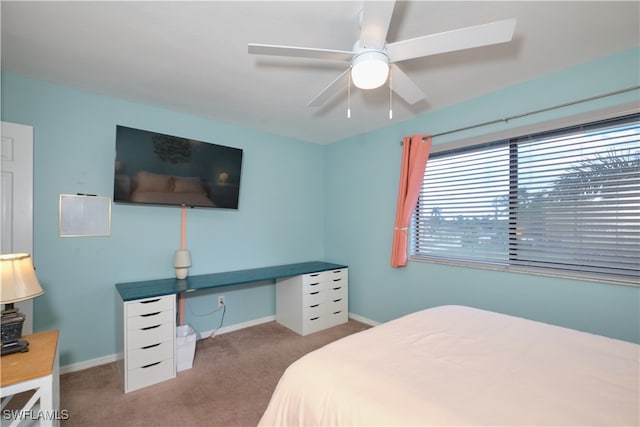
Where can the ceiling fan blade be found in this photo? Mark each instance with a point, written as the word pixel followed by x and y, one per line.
pixel 333 88
pixel 404 86
pixel 376 16
pixel 450 41
pixel 300 52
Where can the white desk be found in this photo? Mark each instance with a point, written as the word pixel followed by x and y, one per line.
pixel 36 370
pixel 155 292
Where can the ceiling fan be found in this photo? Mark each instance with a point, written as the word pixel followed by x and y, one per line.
pixel 372 59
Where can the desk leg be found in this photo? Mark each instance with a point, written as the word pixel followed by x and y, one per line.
pixel 46 402
pixel 50 397
pixel 55 389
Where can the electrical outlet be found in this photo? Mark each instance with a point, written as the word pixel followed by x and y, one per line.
pixel 220 300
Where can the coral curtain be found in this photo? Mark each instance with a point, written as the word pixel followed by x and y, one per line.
pixel 415 153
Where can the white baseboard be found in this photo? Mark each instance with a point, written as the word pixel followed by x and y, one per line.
pixel 363 320
pixel 81 366
pixel 237 326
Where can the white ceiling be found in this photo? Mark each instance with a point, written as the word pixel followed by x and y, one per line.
pixel 192 56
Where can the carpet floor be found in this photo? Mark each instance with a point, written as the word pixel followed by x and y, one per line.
pixel 230 383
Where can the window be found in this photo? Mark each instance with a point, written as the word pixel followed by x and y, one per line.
pixel 565 202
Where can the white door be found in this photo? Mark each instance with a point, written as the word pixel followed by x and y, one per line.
pixel 16 199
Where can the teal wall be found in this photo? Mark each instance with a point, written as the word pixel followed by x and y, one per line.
pixel 279 220
pixel 362 183
pixel 298 202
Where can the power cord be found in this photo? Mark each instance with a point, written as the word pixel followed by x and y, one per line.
pixel 213 333
pixel 224 310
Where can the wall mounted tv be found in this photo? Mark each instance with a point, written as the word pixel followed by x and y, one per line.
pixel 157 169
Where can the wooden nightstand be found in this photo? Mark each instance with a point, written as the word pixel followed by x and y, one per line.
pixel 36 370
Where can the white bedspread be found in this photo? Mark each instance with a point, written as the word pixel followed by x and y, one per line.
pixel 461 366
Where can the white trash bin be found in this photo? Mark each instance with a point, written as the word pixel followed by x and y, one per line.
pixel 185 347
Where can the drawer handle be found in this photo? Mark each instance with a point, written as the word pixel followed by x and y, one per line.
pixel 150 327
pixel 151 314
pixel 151 364
pixel 314 284
pixel 315 318
pixel 337 271
pixel 337 280
pixel 150 301
pixel 314 274
pixel 337 312
pixel 314 306
pixel 337 300
pixel 314 293
pixel 337 288
pixel 150 346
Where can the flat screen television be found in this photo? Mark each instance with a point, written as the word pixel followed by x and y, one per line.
pixel 158 169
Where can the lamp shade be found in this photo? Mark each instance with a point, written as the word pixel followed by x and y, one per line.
pixel 370 70
pixel 182 259
pixel 18 278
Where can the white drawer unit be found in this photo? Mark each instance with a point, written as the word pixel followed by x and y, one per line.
pixel 313 302
pixel 337 294
pixel 149 341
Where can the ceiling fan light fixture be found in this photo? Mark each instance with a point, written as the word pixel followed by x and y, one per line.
pixel 369 70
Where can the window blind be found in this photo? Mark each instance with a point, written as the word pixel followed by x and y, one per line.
pixel 561 202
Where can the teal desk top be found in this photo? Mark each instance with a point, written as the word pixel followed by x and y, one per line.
pixel 154 288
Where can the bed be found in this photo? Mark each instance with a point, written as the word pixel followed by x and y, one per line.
pixel 455 365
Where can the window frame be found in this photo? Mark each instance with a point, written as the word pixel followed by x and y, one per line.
pixel 507 136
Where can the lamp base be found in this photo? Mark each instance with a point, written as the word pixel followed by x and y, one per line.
pixel 12 322
pixel 18 346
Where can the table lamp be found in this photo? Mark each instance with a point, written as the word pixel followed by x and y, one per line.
pixel 18 283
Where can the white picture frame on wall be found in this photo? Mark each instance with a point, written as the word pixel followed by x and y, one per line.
pixel 84 215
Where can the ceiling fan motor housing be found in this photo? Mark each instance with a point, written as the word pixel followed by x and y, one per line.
pixel 369 68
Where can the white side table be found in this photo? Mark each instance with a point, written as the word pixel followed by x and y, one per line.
pixel 36 370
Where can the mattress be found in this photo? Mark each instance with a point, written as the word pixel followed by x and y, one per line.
pixel 455 365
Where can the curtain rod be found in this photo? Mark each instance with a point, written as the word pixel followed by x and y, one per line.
pixel 542 110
